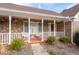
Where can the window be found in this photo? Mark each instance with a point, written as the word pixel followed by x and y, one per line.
pixel 26 27
pixel 40 27
pixel 52 27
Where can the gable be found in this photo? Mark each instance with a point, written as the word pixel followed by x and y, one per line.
pixel 71 11
pixel 77 15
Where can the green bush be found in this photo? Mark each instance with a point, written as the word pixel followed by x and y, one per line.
pixel 64 39
pixel 17 44
pixel 76 38
pixel 51 39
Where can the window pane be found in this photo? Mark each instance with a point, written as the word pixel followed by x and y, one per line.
pixel 26 27
pixel 52 27
pixel 40 27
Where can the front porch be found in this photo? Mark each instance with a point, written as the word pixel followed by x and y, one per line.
pixel 29 28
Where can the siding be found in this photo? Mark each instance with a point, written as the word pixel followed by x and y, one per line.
pixel 75 26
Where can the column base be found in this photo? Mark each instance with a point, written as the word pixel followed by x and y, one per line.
pixel 28 41
pixel 42 40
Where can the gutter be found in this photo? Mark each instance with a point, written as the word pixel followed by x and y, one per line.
pixel 33 13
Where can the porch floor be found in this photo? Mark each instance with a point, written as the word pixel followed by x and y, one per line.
pixel 35 40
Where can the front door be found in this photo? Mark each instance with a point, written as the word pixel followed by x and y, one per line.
pixel 34 28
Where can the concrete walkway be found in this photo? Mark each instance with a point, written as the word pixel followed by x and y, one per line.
pixel 38 49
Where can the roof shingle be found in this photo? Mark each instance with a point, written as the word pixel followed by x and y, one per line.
pixel 71 11
pixel 29 9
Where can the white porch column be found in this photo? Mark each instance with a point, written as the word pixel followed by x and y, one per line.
pixel 72 32
pixel 54 28
pixel 29 29
pixel 64 28
pixel 9 29
pixel 42 30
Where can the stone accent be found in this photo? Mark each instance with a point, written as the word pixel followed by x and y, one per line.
pixel 4 26
pixel 17 25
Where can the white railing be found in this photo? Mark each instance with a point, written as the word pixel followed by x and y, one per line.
pixel 59 34
pixel 4 38
pixel 46 34
pixel 37 33
pixel 16 35
pixel 52 33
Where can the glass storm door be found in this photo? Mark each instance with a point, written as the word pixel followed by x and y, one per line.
pixel 34 28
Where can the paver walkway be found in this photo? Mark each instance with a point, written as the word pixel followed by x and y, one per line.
pixel 38 49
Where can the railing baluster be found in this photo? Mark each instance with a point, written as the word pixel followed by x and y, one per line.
pixel 5 37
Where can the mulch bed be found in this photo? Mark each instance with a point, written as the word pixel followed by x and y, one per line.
pixel 58 48
pixel 26 50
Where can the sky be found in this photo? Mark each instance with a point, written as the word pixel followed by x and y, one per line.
pixel 57 7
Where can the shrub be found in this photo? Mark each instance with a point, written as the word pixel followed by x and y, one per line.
pixel 76 38
pixel 51 39
pixel 64 39
pixel 17 44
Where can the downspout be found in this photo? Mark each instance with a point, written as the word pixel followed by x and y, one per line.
pixel 72 31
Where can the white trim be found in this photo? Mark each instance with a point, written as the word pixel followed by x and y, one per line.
pixel 9 29
pixel 54 28
pixel 29 28
pixel 72 32
pixel 32 22
pixel 34 13
pixel 76 19
pixel 76 16
pixel 4 36
pixel 42 29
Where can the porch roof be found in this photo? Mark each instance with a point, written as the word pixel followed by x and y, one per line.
pixel 23 11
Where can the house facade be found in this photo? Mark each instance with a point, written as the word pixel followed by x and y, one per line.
pixel 18 21
pixel 73 13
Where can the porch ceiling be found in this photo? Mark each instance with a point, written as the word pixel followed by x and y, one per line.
pixel 33 16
